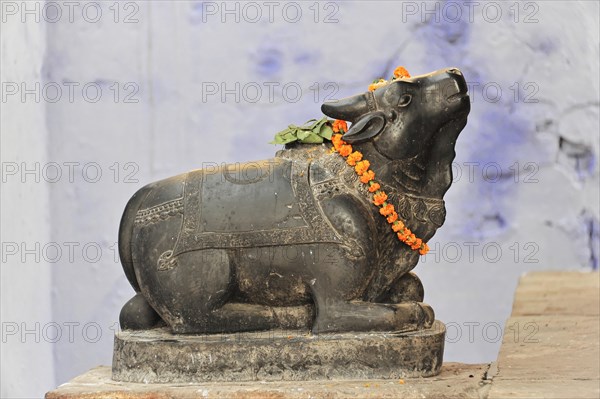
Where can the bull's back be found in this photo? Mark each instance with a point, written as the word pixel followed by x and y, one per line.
pixel 243 197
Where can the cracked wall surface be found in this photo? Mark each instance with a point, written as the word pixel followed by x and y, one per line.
pixel 526 179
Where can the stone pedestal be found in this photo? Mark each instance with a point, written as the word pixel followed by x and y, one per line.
pixel 158 356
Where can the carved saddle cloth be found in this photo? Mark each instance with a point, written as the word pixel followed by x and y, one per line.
pixel 256 204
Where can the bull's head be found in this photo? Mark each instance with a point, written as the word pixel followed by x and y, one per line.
pixel 402 117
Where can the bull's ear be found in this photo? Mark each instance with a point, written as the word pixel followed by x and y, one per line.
pixel 365 128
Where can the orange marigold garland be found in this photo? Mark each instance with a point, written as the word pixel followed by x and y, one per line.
pixel 367 176
pixel 361 166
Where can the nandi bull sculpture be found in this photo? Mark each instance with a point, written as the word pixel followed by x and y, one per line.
pixel 295 241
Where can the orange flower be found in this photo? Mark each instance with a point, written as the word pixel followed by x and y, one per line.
pixel 367 176
pixel 377 84
pixel 410 239
pixel 397 226
pixel 337 141
pixel 417 244
pixel 374 187
pixel 336 138
pixel 387 209
pixel 379 198
pixel 361 167
pixel 339 126
pixel 401 72
pixel 354 158
pixel 424 249
pixel 392 217
pixel 405 234
pixel 345 150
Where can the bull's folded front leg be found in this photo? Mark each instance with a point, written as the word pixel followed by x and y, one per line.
pixel 233 317
pixel 366 316
pixel 333 314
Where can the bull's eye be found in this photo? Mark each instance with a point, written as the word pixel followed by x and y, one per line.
pixel 404 100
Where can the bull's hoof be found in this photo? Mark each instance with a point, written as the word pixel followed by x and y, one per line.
pixel 137 314
pixel 428 315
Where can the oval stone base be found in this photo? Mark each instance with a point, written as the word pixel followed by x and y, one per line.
pixel 158 356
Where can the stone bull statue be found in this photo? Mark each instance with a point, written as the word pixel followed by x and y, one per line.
pixel 294 241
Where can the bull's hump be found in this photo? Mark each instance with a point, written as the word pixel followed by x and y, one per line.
pixel 248 197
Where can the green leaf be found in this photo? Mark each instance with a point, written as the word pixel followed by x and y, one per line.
pixel 277 140
pixel 326 132
pixel 318 124
pixel 283 131
pixel 312 132
pixel 312 138
pixel 291 135
pixel 285 136
pixel 302 134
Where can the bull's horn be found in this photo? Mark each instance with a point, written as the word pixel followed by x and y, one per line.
pixel 349 108
pixel 365 128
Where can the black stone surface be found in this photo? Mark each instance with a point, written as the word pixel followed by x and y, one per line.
pixel 158 356
pixel 229 248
